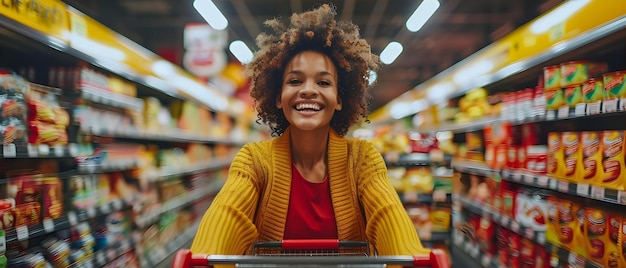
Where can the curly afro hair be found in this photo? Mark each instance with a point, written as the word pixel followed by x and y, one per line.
pixel 315 30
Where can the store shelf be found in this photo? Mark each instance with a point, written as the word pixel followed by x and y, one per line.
pixel 12 150
pixel 473 167
pixel 437 196
pixel 416 159
pixel 215 164
pixel 470 254
pixel 176 203
pixel 107 255
pixel 110 98
pixel 71 218
pixel 580 189
pixel 155 258
pixel 527 232
pixel 165 136
pixel 598 193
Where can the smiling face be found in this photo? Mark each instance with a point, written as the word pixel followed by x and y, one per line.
pixel 309 96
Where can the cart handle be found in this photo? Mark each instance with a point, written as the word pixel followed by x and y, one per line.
pixel 310 244
pixel 184 258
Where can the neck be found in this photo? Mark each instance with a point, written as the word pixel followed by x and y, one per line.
pixel 308 148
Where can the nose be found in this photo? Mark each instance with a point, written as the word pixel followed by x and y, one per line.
pixel 308 90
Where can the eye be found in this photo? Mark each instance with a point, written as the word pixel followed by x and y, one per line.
pixel 293 81
pixel 324 83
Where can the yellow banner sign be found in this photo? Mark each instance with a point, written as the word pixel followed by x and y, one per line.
pixel 46 16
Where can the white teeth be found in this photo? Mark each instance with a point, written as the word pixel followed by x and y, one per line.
pixel 312 106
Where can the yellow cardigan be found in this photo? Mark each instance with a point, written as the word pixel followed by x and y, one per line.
pixel 252 205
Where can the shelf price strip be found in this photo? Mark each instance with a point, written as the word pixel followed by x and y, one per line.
pixel 579 189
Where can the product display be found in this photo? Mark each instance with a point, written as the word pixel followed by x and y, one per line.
pixel 99 168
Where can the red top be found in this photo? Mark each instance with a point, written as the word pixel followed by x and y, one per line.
pixel 310 214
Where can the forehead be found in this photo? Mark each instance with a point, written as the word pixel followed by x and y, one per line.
pixel 311 60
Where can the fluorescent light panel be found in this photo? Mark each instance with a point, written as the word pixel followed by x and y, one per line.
pixel 421 15
pixel 241 51
pixel 391 52
pixel 209 11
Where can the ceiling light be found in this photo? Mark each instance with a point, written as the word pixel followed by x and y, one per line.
pixel 421 15
pixel 211 14
pixel 391 52
pixel 239 49
pixel 557 15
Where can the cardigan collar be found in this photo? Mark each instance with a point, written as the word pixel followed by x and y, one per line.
pixel 341 180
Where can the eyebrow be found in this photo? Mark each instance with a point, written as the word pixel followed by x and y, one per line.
pixel 319 73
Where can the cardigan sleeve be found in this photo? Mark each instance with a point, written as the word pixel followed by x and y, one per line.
pixel 227 226
pixel 388 225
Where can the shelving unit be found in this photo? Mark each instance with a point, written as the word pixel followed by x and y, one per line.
pixel 123 194
pixel 516 63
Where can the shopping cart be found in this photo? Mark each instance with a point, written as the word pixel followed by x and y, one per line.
pixel 310 253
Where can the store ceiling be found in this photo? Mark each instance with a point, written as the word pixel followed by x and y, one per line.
pixel 458 28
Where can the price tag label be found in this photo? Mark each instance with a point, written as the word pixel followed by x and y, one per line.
pixel 485 261
pixel 580 109
pixel 44 149
pixel 597 192
pixel 529 179
pixel 551 115
pixel 529 233
pixel 541 238
pixel 609 106
pixel 515 226
pixel 101 258
pixel 3 243
pixel 106 209
pixel 563 186
pixel 22 233
pixel 553 184
pixel 410 197
pixel 48 225
pixel 563 112
pixel 439 195
pixel 542 181
pixel 71 217
pixel 9 151
pixel 582 189
pixel 504 221
pixel 32 151
pixel 517 176
pixel 621 197
pixel 91 212
pixel 59 151
pixel 73 149
pixel 117 204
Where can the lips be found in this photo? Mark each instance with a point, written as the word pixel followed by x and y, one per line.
pixel 308 106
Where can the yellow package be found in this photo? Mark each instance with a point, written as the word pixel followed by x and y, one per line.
pixel 614 253
pixel 552 226
pixel 612 148
pixel 591 158
pixel 555 159
pixel 572 156
pixel 571 226
pixel 596 229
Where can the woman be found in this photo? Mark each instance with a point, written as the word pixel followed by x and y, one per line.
pixel 309 82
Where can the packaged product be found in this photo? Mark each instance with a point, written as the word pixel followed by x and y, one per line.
pixel 555 99
pixel 572 155
pixel 571 226
pixel 602 230
pixel 555 157
pixel 574 100
pixel 552 225
pixel 591 157
pixel 593 95
pixel 614 91
pixel 577 72
pixel 552 77
pixel 613 168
